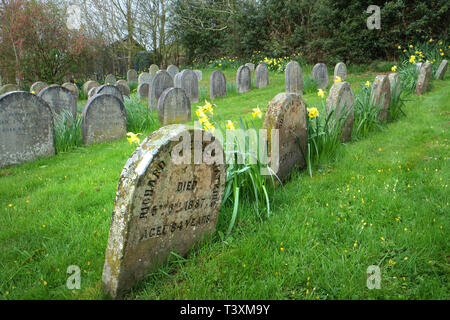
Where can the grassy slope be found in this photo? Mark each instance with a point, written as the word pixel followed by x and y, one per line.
pixel 61 211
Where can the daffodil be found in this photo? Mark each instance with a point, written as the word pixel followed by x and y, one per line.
pixel 230 125
pixel 394 68
pixel 367 83
pixel 338 79
pixel 431 40
pixel 412 59
pixel 208 126
pixel 208 107
pixel 411 46
pixel 399 47
pixel 313 112
pixel 256 112
pixel 320 93
pixel 133 138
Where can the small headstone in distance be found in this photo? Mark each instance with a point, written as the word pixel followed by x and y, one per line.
pixel 423 79
pixel 251 66
pixel 199 74
pixel 261 76
pixel 123 87
pixel 217 85
pixel 188 81
pixel 142 90
pixel 164 203
pixel 110 89
pixel 89 85
pixel 243 79
pixel 104 119
pixel 26 128
pixel 380 96
pixel 440 72
pixel 110 79
pixel 9 88
pixel 396 85
pixel 340 70
pixel 73 89
pixel 38 87
pixel 174 107
pixel 320 74
pixel 60 100
pixel 153 70
pixel 340 102
pixel 92 92
pixel 172 70
pixel 160 82
pixel 144 77
pixel 293 78
pixel 287 113
pixel 131 76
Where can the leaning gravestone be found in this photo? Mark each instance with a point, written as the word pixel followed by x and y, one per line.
pixel 243 79
pixel 38 87
pixel 287 113
pixel 440 72
pixel 261 76
pixel 60 100
pixel 172 70
pixel 104 119
pixel 424 78
pixel 293 78
pixel 73 89
pixel 153 70
pixel 160 82
pixel 188 81
pixel 144 77
pixel 110 89
pixel 340 102
pixel 217 85
pixel 110 79
pixel 199 74
pixel 123 87
pixel 142 90
pixel 174 107
pixel 251 66
pixel 9 88
pixel 26 128
pixel 320 74
pixel 132 76
pixel 380 96
pixel 340 70
pixel 395 83
pixel 161 205
pixel 89 85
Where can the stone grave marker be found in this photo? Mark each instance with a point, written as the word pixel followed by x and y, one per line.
pixel 162 205
pixel 144 77
pixel 110 89
pixel 172 70
pixel 188 81
pixel 293 78
pixel 153 70
pixel 132 76
pixel 251 66
pixel 174 107
pixel 142 90
pixel 287 113
pixel 73 89
pixel 380 96
pixel 423 79
pixel 340 70
pixel 123 87
pixel 199 74
pixel 261 76
pixel 9 88
pixel 320 74
pixel 89 85
pixel 160 82
pixel 243 79
pixel 110 79
pixel 38 87
pixel 60 100
pixel 340 102
pixel 440 72
pixel 104 119
pixel 395 83
pixel 217 85
pixel 26 128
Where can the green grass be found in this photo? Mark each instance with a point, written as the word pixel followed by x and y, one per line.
pixel 56 212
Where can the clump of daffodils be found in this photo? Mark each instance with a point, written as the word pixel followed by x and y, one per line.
pixel 202 115
pixel 133 137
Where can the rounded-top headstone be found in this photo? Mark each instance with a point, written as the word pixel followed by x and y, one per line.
pixel 26 127
pixel 320 74
pixel 174 107
pixel 340 102
pixel 199 74
pixel 340 70
pixel 160 82
pixel 153 70
pixel 293 78
pixel 9 88
pixel 243 79
pixel 123 87
pixel 380 96
pixel 73 89
pixel 60 100
pixel 287 113
pixel 92 92
pixel 261 76
pixel 38 87
pixel 89 85
pixel 423 79
pixel 217 85
pixel 132 75
pixel 173 70
pixel 142 90
pixel 251 66
pixel 145 77
pixel 440 72
pixel 110 79
pixel 395 83
pixel 104 119
pixel 110 89
pixel 165 202
pixel 188 81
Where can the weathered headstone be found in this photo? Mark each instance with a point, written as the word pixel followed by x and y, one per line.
pixel 26 128
pixel 188 81
pixel 243 79
pixel 104 119
pixel 162 205
pixel 423 79
pixel 440 72
pixel 160 82
pixel 293 78
pixel 419 65
pixel 38 87
pixel 110 89
pixel 217 85
pixel 73 89
pixel 340 70
pixel 174 107
pixel 9 88
pixel 123 87
pixel 172 70
pixel 142 90
pixel 261 76
pixel 60 100
pixel 199 74
pixel 340 102
pixel 89 85
pixel 396 85
pixel 153 70
pixel 92 92
pixel 380 96
pixel 320 74
pixel 132 75
pixel 287 113
pixel 251 66
pixel 110 79
pixel 144 77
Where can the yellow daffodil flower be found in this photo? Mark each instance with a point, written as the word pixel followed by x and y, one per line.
pixel 230 125
pixel 313 112
pixel 394 68
pixel 320 93
pixel 133 138
pixel 256 112
pixel 208 126
pixel 411 46
pixel 399 47
pixel 338 79
pixel 412 59
pixel 367 83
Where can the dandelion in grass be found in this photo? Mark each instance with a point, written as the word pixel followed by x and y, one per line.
pixel 391 262
pixel 257 112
